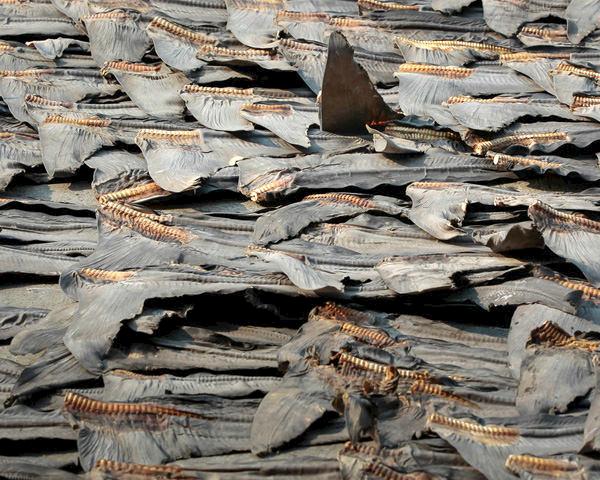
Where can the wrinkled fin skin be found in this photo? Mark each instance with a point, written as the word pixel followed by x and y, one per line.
pixel 349 101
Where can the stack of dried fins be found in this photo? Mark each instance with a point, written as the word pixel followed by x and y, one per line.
pixel 299 239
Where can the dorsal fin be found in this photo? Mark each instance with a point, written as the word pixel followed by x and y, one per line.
pixel 349 101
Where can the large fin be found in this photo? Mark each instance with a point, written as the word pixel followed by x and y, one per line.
pixel 349 101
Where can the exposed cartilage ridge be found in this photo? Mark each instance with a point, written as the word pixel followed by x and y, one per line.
pixel 532 56
pixel 542 32
pixel 123 211
pixel 280 108
pixel 230 52
pixel 342 198
pixel 105 275
pixel 79 403
pixel 493 433
pixel 568 218
pixel 37 100
pixel 431 185
pixel 525 139
pixel 130 194
pixel 363 364
pixel 510 161
pixel 31 72
pixel 374 337
pixel 259 194
pixel 340 313
pixel 584 101
pixel 146 225
pixel 539 465
pixel 364 448
pixel 76 121
pixel 178 31
pixel 377 5
pixel 295 45
pixel 377 469
pixel 564 67
pixel 424 387
pixel 465 99
pixel 155 471
pixel 436 70
pixel 388 371
pixel 350 22
pixel 222 91
pixel 452 45
pixel 129 67
pixel 302 16
pixel 174 136
pixel 555 336
pixel 106 16
pixel 414 133
pixel 588 290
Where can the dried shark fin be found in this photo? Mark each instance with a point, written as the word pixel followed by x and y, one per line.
pixel 303 275
pixel 507 17
pixel 67 141
pixel 591 441
pixel 137 79
pixel 153 433
pixel 583 17
pixel 178 160
pixel 288 121
pixel 54 48
pixel 288 411
pixel 492 114
pixel 176 45
pixel 574 382
pixel 402 139
pixel 364 34
pixel 39 108
pixel 308 26
pixel 440 218
pixel 426 87
pixel 569 80
pixel 192 11
pixel 218 108
pixel 116 35
pixel 586 105
pixel 15 319
pixel 423 273
pixel 253 22
pixel 21 422
pixel 123 385
pixel 349 101
pixel 55 368
pixel 448 52
pixel 288 221
pixel 23 468
pixel 58 84
pixel 18 152
pixel 15 259
pixel 527 318
pixel 488 446
pixel 307 58
pixel 536 65
pixel 571 236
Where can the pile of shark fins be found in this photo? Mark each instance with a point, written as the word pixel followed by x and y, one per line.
pixel 300 239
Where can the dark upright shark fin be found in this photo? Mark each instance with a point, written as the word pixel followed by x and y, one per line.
pixel 349 101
